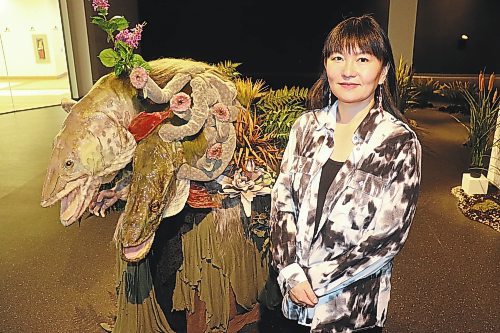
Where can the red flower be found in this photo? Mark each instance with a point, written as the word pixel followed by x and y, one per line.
pixel 180 102
pixel 221 112
pixel 139 77
pixel 215 151
pixel 100 5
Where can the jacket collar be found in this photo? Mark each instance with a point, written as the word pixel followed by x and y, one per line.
pixel 369 124
pixel 327 118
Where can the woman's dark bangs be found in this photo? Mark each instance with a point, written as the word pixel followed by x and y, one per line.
pixel 355 36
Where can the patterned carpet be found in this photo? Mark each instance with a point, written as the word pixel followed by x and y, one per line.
pixel 481 208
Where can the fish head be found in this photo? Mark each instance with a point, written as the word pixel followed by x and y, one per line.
pixel 152 189
pixel 91 147
pixel 72 173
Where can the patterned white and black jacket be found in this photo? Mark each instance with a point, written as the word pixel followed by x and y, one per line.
pixel 366 218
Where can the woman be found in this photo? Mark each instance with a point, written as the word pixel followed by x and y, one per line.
pixel 347 190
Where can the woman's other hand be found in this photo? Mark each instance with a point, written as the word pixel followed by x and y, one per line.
pixel 303 295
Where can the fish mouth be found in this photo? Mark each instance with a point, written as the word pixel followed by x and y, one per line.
pixel 138 252
pixel 74 199
pixel 72 207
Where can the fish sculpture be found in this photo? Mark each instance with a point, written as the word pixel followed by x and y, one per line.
pixel 91 147
pixel 95 143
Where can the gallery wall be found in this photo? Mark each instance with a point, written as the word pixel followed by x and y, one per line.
pixel 97 37
pixel 20 20
pixel 281 42
pixel 278 41
pixel 438 44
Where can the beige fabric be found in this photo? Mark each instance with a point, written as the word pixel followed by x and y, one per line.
pixel 215 263
pixel 162 96
pixel 343 134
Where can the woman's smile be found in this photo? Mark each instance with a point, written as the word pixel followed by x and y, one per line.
pixel 353 77
pixel 348 85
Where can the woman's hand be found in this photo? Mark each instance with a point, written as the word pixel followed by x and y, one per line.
pixel 303 295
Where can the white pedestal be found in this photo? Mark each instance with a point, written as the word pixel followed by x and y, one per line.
pixel 474 185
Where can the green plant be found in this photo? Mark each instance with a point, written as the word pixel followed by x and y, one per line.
pixel 406 94
pixel 265 118
pixel 484 107
pixel 453 94
pixel 426 91
pixel 121 57
pixel 229 69
pixel 279 109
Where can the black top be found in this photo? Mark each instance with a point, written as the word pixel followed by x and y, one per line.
pixel 328 173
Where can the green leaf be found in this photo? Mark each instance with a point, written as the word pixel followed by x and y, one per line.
pixel 106 26
pixel 119 23
pixel 109 57
pixel 110 36
pixel 123 49
pixel 103 12
pixel 97 20
pixel 119 68
pixel 137 60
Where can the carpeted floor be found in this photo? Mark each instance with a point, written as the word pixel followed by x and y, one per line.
pixel 57 279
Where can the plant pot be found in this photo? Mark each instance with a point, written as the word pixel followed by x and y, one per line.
pixel 475 171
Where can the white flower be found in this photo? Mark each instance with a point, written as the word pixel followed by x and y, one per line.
pixel 247 185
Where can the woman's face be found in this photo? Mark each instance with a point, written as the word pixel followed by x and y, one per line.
pixel 354 77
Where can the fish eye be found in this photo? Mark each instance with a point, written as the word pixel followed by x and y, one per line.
pixel 68 163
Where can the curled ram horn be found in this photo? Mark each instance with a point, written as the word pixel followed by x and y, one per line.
pixel 207 168
pixel 218 131
pixel 227 92
pixel 162 96
pixel 202 95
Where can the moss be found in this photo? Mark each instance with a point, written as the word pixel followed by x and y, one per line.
pixel 194 148
pixel 485 205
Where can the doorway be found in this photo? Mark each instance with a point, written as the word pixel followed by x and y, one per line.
pixel 33 66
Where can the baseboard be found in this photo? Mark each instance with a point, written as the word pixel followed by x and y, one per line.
pixel 46 77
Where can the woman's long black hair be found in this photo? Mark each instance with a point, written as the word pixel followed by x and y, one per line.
pixel 361 33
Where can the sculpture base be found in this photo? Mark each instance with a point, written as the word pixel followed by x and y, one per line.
pixel 472 185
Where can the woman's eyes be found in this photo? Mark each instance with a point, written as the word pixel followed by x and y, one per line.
pixel 360 59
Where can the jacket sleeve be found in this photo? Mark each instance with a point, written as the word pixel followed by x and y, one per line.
pixel 283 217
pixel 378 246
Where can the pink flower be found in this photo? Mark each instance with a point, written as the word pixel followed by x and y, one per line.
pixel 100 5
pixel 131 37
pixel 180 102
pixel 139 77
pixel 123 36
pixel 215 151
pixel 221 112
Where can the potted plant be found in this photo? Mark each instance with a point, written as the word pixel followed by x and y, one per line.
pixel 407 94
pixel 484 108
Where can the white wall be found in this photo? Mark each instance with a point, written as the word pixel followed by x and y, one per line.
pixel 402 21
pixel 494 168
pixel 19 20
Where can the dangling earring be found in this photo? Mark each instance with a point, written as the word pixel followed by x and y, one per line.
pixel 380 107
pixel 330 98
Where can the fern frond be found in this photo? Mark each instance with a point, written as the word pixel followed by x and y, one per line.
pixel 229 69
pixel 286 94
pixel 249 91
